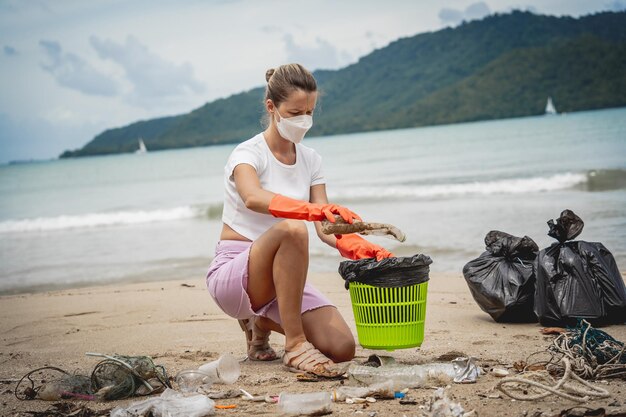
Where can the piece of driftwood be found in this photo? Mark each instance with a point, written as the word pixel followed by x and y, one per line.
pixel 341 227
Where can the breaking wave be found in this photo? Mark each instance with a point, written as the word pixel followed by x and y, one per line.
pixel 555 182
pixel 116 218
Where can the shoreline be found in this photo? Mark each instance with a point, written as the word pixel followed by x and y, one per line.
pixel 144 278
pixel 177 270
pixel 193 267
pixel 176 323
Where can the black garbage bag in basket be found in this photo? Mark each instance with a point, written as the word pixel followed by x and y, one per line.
pixel 577 279
pixel 388 272
pixel 502 279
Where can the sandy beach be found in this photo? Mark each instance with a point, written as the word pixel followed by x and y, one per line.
pixel 178 325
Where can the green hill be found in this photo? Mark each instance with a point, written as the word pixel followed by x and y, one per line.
pixel 501 66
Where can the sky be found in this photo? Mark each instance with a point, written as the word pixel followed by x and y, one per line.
pixel 71 69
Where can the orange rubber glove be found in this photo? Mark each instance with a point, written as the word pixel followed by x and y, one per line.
pixel 289 208
pixel 354 247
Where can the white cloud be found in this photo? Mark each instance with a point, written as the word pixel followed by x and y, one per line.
pixel 15 6
pixel 474 11
pixel 450 16
pixel 477 11
pixel 37 138
pixel 10 51
pixel 321 55
pixel 617 5
pixel 270 29
pixel 376 40
pixel 152 77
pixel 71 71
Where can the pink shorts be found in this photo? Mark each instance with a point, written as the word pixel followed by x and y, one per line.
pixel 227 281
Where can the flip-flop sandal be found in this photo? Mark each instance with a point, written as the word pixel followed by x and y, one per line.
pixel 308 359
pixel 257 347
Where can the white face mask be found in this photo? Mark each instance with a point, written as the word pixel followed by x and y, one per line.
pixel 294 128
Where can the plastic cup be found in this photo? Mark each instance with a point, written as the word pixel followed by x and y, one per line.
pixel 192 379
pixel 224 370
pixel 307 403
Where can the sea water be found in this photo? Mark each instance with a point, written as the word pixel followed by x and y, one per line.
pixel 143 217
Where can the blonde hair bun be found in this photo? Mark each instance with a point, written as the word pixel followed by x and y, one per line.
pixel 283 80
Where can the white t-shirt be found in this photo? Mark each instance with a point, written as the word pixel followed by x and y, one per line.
pixel 292 181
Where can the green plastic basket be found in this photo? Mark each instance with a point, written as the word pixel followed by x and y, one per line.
pixel 389 318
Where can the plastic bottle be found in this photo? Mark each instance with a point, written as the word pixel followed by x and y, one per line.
pixel 305 403
pixel 403 376
pixel 379 390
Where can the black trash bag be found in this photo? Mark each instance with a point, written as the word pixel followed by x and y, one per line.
pixel 502 279
pixel 388 273
pixel 577 279
pixel 567 226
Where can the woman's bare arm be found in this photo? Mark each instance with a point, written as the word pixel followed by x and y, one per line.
pixel 318 195
pixel 249 188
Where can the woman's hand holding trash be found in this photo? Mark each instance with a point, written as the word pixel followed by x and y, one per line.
pixel 355 247
pixel 289 208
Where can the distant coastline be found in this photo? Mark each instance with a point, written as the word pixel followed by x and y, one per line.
pixel 27 161
pixel 43 160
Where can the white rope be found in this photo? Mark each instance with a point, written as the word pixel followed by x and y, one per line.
pixel 584 362
pixel 563 388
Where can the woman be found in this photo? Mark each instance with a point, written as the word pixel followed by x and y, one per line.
pixel 259 272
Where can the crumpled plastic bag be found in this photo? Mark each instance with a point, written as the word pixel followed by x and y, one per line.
pixel 441 406
pixel 502 279
pixel 465 370
pixel 577 279
pixel 169 404
pixel 388 272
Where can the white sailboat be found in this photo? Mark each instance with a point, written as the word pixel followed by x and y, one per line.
pixel 142 147
pixel 550 109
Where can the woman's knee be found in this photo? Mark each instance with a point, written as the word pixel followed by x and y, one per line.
pixel 342 349
pixel 294 230
pixel 328 331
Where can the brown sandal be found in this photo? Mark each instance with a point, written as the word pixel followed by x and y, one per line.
pixel 308 359
pixel 259 348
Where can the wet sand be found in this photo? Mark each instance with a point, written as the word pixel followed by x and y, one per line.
pixel 178 325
